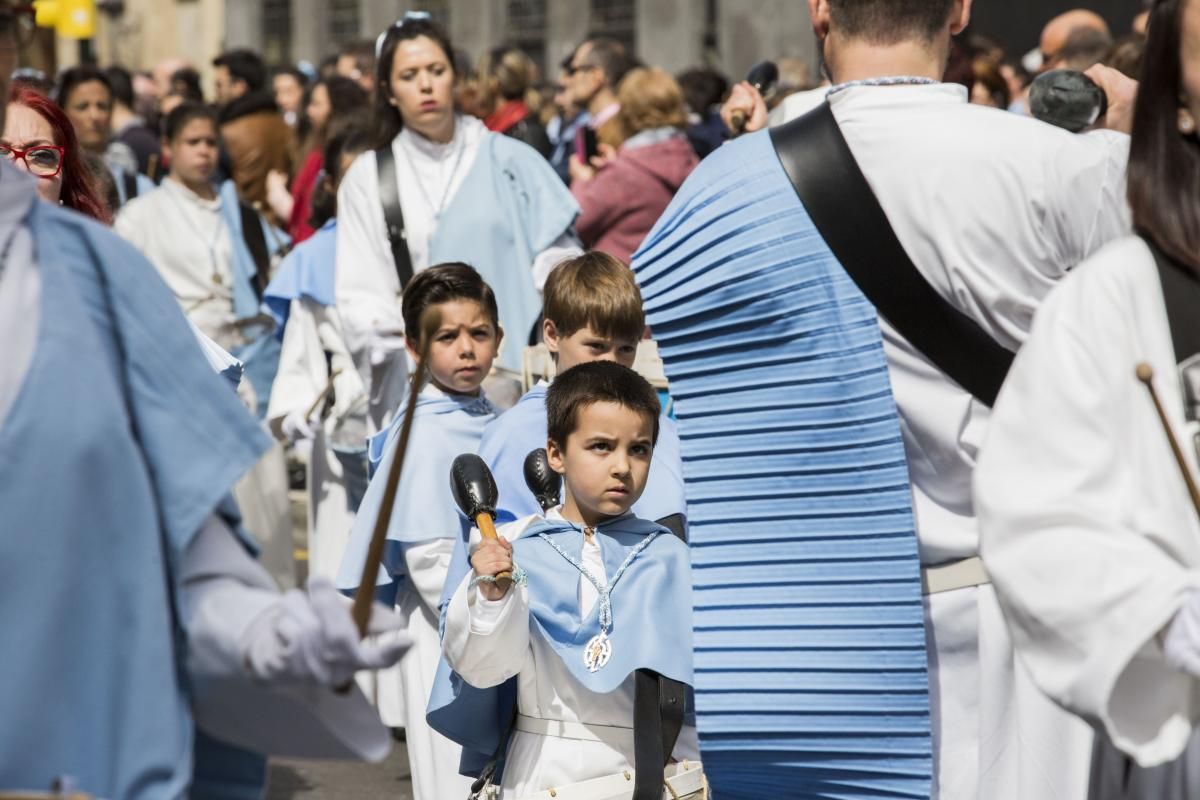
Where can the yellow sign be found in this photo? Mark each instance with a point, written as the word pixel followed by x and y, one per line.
pixel 71 19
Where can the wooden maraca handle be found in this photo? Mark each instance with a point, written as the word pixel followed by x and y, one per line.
pixel 487 529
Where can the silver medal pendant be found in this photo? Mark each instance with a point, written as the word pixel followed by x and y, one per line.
pixel 597 652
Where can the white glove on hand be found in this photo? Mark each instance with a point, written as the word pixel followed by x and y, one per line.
pixel 1181 645
pixel 382 346
pixel 312 638
pixel 297 427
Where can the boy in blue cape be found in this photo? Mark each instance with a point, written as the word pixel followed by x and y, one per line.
pixel 575 625
pixel 593 312
pixel 451 414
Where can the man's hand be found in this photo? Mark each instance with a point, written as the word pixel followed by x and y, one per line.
pixel 1122 95
pixel 746 103
pixel 492 557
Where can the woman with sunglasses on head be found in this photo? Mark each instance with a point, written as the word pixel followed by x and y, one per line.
pixel 39 139
pixel 465 194
pixel 1088 531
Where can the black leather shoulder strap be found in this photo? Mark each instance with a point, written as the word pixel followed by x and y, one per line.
pixel 129 184
pixel 393 217
pixel 256 242
pixel 658 708
pixel 841 204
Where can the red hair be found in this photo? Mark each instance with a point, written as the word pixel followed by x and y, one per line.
pixel 78 186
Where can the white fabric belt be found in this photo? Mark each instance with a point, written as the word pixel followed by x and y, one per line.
pixel 683 781
pixel 954 575
pixel 612 735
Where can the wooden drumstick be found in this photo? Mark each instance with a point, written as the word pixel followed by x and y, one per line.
pixel 1145 374
pixel 364 596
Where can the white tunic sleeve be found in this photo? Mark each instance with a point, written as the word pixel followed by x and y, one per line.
pixel 367 289
pixel 302 372
pixel 1086 529
pixel 486 642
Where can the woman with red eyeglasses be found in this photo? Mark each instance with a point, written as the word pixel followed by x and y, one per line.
pixel 39 139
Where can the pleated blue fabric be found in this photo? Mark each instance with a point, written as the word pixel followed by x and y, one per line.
pixel 810 664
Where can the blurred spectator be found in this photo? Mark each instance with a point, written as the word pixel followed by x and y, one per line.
pixel 989 87
pixel 288 84
pixel 164 73
pixel 1018 79
pixel 356 61
pixel 34 79
pixel 185 82
pixel 1085 47
pixel 563 127
pixel 506 77
pixel 703 90
pixel 795 75
pixel 328 103
pixel 256 138
pixel 594 72
pixel 1060 29
pixel 1126 55
pixel 128 126
pixel 84 92
pixel 1142 19
pixel 39 139
pixel 145 97
pixel 621 201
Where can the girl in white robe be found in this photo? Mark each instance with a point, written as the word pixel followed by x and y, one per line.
pixel 466 195
pixel 1088 531
pixel 190 231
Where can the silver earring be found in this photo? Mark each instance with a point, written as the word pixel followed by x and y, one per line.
pixel 1187 123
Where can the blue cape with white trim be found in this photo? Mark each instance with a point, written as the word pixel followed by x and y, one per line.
pixel 444 427
pixel 810 655
pixel 651 624
pixel 307 271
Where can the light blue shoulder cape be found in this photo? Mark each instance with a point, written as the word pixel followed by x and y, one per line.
pixel 510 437
pixel 651 628
pixel 308 271
pixel 810 643
pixel 509 208
pixel 147 443
pixel 445 427
pixel 260 356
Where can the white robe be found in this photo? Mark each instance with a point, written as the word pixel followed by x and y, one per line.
pixel 428 174
pixel 186 239
pixel 993 209
pixel 488 642
pixel 1088 530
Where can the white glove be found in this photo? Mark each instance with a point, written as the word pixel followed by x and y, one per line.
pixel 382 346
pixel 312 638
pixel 297 427
pixel 1181 645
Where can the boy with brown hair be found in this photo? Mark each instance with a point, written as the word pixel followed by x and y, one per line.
pixel 572 629
pixel 593 312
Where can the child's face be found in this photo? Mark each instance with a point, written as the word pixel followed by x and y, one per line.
pixel 605 461
pixel 463 348
pixel 586 345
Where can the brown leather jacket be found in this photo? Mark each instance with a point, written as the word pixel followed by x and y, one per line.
pixel 257 141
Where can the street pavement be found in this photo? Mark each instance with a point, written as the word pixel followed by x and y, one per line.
pixel 334 780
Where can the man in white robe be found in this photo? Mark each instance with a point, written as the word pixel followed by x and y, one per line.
pixel 1089 533
pixel 993 209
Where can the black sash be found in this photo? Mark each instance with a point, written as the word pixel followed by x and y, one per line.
pixel 393 217
pixel 657 720
pixel 834 191
pixel 256 242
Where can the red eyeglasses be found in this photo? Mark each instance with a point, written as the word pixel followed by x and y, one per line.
pixel 42 160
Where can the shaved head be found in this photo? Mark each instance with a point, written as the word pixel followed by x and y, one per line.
pixel 1059 30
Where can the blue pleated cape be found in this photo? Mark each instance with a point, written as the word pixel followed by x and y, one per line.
pixel 307 271
pixel 810 660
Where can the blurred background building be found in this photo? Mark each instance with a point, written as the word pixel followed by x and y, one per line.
pixel 728 35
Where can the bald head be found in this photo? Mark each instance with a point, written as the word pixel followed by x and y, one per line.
pixel 1058 31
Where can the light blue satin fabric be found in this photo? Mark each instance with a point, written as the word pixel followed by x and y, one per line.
pixel 121 443
pixel 509 208
pixel 810 657
pixel 308 271
pixel 445 427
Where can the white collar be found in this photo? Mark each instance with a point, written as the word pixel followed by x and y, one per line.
pixel 187 195
pixel 467 130
pixel 861 97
